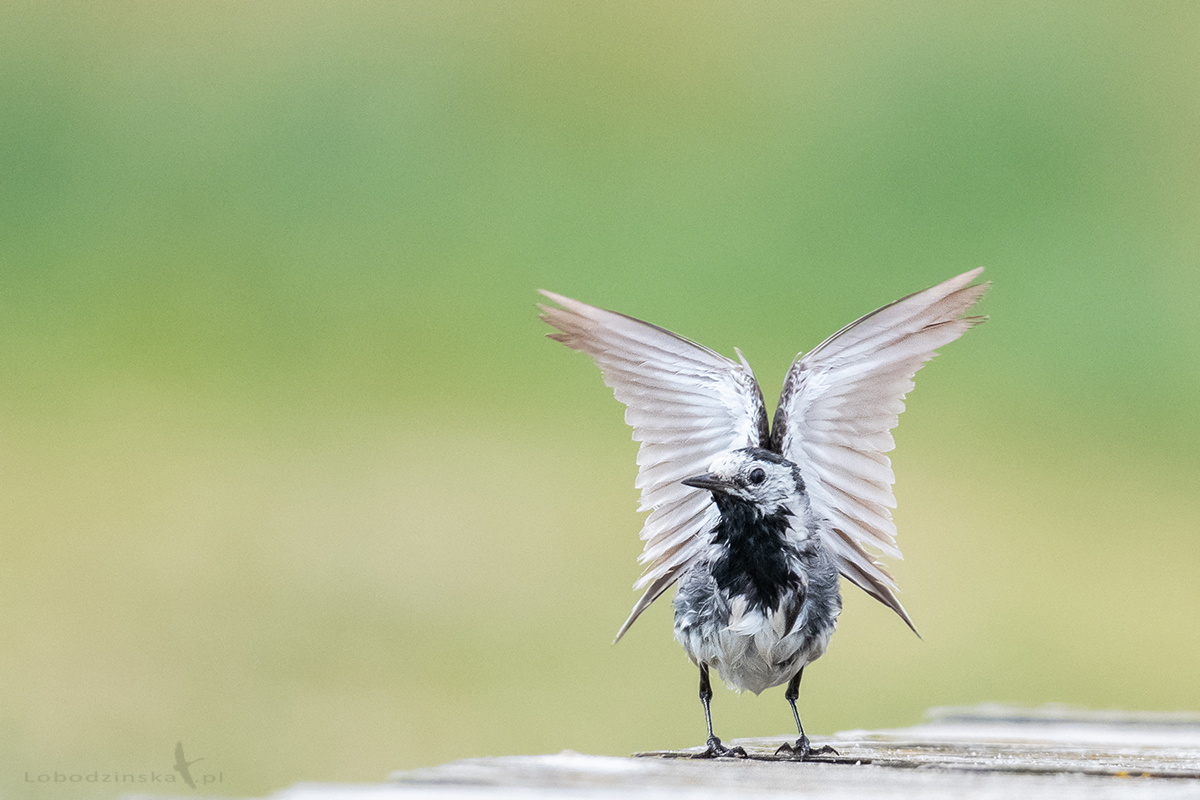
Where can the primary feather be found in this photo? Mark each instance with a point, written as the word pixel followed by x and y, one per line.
pixel 839 404
pixel 687 405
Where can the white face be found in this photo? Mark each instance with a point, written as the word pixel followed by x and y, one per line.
pixel 767 484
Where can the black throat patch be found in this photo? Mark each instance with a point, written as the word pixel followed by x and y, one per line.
pixel 755 561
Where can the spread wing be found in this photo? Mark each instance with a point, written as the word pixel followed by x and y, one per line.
pixel 687 404
pixel 839 404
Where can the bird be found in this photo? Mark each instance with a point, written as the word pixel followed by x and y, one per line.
pixel 757 522
pixel 182 765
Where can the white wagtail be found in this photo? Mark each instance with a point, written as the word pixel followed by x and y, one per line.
pixel 756 522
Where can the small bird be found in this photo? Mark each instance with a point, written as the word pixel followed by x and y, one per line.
pixel 755 521
pixel 182 765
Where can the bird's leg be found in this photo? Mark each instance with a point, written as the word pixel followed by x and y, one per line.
pixel 801 750
pixel 715 748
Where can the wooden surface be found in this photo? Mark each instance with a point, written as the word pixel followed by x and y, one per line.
pixel 981 752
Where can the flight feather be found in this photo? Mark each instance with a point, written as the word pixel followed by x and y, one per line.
pixel 687 404
pixel 839 404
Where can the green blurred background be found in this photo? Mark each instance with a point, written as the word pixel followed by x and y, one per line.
pixel 288 472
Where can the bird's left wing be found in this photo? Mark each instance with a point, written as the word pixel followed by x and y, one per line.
pixel 839 404
pixel 687 404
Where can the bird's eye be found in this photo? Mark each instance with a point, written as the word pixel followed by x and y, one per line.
pixel 757 476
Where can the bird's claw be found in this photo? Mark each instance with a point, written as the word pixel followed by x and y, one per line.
pixel 717 750
pixel 802 750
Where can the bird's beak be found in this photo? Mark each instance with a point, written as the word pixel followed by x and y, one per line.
pixel 708 481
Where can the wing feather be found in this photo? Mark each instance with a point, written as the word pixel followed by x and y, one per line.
pixel 687 404
pixel 839 404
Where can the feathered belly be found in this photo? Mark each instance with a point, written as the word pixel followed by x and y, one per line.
pixel 752 649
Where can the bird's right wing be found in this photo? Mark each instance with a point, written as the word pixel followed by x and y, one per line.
pixel 687 404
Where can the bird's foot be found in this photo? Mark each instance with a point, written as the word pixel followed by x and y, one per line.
pixel 718 750
pixel 802 750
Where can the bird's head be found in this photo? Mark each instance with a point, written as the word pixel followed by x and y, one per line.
pixel 766 480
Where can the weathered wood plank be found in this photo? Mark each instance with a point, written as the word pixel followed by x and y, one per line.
pixel 974 753
pixel 981 752
pixel 1050 741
